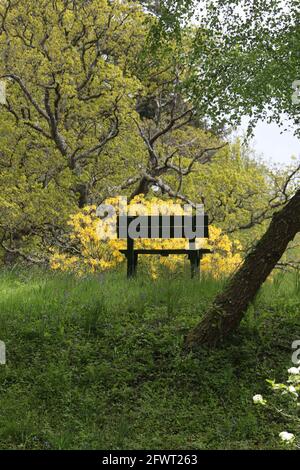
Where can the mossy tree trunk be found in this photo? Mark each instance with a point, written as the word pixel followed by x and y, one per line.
pixel 228 308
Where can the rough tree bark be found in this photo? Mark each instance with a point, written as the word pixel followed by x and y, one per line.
pixel 142 188
pixel 228 308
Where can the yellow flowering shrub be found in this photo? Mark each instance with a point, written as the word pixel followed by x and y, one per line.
pixel 226 255
pixel 93 254
pixel 96 250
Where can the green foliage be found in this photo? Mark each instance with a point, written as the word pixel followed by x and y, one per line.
pixel 70 99
pixel 86 96
pixel 97 363
pixel 245 58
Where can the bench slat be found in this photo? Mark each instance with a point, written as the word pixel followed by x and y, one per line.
pixel 159 226
pixel 174 251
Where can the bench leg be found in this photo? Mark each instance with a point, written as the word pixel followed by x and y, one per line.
pixel 131 258
pixel 135 262
pixel 195 259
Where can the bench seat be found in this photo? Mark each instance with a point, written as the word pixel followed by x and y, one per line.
pixel 167 252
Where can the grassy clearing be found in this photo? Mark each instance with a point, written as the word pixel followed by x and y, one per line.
pixel 97 364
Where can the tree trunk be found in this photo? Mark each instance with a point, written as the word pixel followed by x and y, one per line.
pixel 228 308
pixel 142 188
pixel 83 199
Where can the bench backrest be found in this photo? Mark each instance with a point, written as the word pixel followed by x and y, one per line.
pixel 162 226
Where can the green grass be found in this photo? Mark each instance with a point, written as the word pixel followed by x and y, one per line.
pixel 98 364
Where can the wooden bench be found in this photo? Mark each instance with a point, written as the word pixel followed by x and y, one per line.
pixel 163 227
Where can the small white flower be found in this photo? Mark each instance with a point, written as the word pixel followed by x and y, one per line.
pixel 294 370
pixel 258 400
pixel 292 390
pixel 286 436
